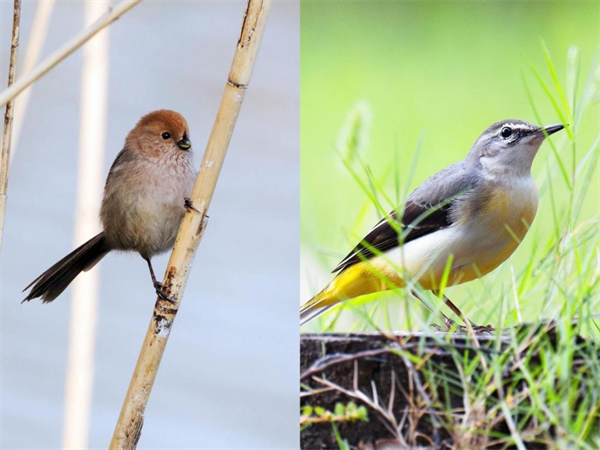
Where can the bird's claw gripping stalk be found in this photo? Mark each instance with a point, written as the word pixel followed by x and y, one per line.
pixel 187 202
pixel 159 291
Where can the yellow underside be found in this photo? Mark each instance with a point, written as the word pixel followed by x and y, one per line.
pixel 363 279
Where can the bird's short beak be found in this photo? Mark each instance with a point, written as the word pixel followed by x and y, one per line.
pixel 184 144
pixel 551 129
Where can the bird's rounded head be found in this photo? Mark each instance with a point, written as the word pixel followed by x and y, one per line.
pixel 509 146
pixel 159 132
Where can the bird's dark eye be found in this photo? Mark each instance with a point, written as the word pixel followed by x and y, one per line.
pixel 166 135
pixel 506 132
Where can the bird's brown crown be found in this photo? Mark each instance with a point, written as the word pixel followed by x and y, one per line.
pixel 164 120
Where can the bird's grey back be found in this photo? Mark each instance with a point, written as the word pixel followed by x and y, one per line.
pixel 446 184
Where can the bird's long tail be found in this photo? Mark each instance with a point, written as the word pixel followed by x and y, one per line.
pixel 359 279
pixel 313 308
pixel 55 280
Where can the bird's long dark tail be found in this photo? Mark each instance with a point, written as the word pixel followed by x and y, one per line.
pixel 53 281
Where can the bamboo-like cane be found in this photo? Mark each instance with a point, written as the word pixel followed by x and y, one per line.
pixel 129 425
pixel 68 48
pixel 8 116
pixel 84 300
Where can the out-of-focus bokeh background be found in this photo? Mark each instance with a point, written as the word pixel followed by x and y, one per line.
pixel 229 375
pixel 433 75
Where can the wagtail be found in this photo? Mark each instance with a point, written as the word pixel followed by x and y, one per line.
pixel 470 216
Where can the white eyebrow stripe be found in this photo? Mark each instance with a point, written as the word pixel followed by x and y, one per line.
pixel 518 126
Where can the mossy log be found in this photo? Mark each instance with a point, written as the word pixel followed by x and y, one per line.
pixel 423 390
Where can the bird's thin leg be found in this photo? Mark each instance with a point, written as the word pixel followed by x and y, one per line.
pixel 154 282
pixel 157 284
pixel 465 319
pixel 449 323
pixel 454 308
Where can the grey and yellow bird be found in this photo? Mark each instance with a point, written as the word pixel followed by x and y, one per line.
pixel 476 212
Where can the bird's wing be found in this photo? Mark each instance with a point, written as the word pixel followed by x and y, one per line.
pixel 124 157
pixel 428 209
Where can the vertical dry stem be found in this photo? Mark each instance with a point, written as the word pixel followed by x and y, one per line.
pixel 84 299
pixel 8 116
pixel 129 426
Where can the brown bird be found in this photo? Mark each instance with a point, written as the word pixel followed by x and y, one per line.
pixel 145 198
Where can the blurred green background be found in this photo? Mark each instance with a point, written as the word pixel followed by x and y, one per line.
pixel 440 72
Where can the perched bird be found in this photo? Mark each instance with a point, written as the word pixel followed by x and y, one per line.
pixel 476 212
pixel 145 199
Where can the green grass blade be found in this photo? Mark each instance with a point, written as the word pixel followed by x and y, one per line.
pixel 567 115
pixel 563 169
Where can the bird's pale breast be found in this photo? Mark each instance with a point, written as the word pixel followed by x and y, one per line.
pixel 144 204
pixel 494 233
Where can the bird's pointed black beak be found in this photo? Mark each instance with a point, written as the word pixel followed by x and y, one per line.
pixel 551 129
pixel 184 143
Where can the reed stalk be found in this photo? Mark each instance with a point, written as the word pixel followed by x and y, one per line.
pixel 79 382
pixel 8 115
